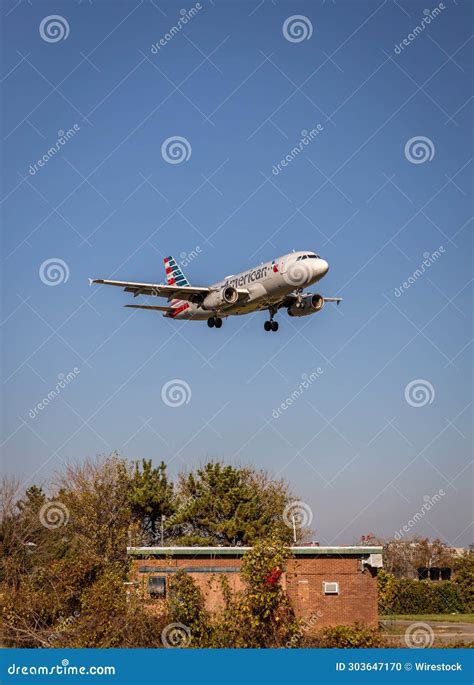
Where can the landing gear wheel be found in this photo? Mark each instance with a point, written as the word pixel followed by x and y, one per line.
pixel 210 322
pixel 217 322
pixel 271 325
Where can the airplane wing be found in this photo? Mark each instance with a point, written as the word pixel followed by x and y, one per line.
pixel 188 293
pixel 149 306
pixel 333 299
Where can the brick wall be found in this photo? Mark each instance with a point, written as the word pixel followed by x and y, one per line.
pixel 303 582
pixel 356 601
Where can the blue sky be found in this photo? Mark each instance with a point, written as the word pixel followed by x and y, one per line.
pixel 108 204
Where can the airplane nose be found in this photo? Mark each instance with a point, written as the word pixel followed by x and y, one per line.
pixel 324 266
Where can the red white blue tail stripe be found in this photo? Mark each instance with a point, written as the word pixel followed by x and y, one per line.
pixel 175 276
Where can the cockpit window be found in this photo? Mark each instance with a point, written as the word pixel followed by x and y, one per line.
pixel 308 256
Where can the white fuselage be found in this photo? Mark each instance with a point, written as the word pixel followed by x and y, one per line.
pixel 267 285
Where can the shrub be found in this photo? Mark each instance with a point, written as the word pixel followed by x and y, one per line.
pixel 186 607
pixel 464 580
pixel 347 637
pixel 405 596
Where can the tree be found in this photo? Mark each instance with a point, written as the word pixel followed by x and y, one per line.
pixel 23 538
pixel 428 553
pixel 95 495
pixel 150 497
pixel 220 504
pixel 109 616
pixel 403 558
pixel 64 567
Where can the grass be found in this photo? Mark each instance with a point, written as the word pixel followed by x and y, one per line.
pixel 451 618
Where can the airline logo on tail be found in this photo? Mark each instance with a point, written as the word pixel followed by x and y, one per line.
pixel 174 275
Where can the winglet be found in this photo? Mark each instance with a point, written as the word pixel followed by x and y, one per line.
pixel 91 281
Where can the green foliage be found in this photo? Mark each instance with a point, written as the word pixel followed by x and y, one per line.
pixel 260 615
pixel 347 637
pixel 109 617
pixel 257 616
pixel 405 596
pixel 64 585
pixel 464 580
pixel 223 505
pixel 150 498
pixel 186 606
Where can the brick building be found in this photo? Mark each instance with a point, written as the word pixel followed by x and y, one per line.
pixel 327 586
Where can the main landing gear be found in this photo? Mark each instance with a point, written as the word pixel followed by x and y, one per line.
pixel 271 325
pixel 214 321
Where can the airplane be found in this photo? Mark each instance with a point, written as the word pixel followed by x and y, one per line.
pixel 274 285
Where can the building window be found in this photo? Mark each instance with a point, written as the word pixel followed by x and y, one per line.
pixel 330 588
pixel 157 586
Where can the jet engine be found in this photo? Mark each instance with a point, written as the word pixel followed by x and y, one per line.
pixel 218 299
pixel 309 304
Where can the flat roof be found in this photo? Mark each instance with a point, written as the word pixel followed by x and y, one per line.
pixel 302 550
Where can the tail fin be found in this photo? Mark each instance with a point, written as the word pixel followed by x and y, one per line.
pixel 174 275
